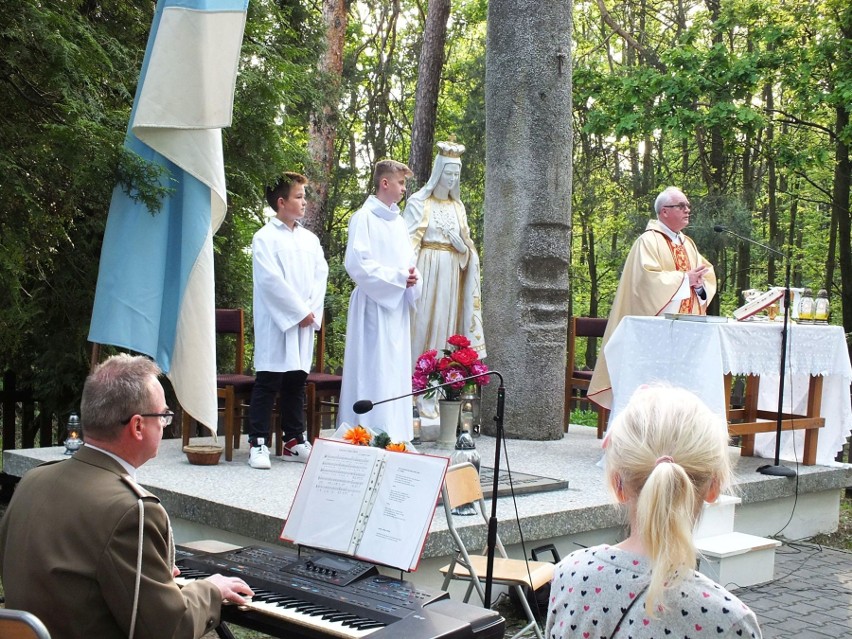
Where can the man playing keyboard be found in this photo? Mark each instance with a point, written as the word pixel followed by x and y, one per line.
pixel 88 550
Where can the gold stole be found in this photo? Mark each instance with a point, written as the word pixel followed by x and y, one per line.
pixel 681 261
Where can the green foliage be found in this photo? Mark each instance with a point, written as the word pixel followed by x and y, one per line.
pixel 685 102
pixel 381 440
pixel 68 72
pixel 583 418
pixel 700 109
pixel 67 81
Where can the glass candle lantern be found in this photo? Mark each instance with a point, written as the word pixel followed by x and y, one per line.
pixel 806 307
pixel 73 430
pixel 465 452
pixel 416 426
pixel 821 309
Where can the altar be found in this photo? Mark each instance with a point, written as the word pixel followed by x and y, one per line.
pixel 698 355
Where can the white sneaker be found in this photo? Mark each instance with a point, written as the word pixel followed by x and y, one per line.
pixel 296 452
pixel 259 456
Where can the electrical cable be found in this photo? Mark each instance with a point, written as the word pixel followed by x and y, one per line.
pixel 536 608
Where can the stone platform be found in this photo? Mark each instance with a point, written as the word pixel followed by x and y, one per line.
pixel 234 503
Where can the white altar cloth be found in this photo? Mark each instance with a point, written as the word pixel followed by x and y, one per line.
pixel 697 355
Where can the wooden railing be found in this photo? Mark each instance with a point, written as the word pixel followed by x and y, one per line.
pixel 20 425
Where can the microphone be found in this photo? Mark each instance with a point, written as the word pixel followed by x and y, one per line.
pixel 365 405
pixel 722 229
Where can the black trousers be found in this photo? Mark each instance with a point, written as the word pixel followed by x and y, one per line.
pixel 291 386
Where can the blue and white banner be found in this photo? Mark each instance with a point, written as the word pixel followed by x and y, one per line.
pixel 155 291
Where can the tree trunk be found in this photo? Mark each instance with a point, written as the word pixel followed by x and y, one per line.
pixel 428 85
pixel 528 209
pixel 840 208
pixel 831 259
pixel 775 234
pixel 323 124
pixel 594 293
pixel 741 276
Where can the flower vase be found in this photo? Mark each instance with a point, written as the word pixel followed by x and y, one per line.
pixel 448 410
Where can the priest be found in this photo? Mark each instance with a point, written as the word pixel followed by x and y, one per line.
pixel 663 273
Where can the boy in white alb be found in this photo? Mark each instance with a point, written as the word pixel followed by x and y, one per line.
pixel 379 258
pixel 290 277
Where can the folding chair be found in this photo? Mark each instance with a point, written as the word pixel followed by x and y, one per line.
pixel 18 624
pixel 461 486
pixel 577 380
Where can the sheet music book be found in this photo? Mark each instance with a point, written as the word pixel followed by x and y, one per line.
pixel 366 502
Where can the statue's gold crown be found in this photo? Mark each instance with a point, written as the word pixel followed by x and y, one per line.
pixel 450 149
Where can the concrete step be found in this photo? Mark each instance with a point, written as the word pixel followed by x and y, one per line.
pixel 736 560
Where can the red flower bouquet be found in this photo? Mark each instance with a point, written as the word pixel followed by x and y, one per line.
pixel 458 361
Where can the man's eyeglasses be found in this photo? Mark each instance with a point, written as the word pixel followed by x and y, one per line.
pixel 166 417
pixel 682 206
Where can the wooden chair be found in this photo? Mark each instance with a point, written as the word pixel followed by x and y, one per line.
pixel 232 389
pixel 18 624
pixel 320 388
pixel 576 380
pixel 462 486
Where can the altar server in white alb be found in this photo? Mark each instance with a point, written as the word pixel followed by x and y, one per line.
pixel 379 258
pixel 290 277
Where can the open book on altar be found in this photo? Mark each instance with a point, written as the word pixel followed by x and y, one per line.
pixel 758 303
pixel 366 502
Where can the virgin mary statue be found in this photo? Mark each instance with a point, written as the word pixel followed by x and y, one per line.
pixel 450 302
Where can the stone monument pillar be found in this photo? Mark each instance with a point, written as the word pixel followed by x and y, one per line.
pixel 527 212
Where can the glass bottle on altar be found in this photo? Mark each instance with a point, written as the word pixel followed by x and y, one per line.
pixel 806 307
pixel 821 308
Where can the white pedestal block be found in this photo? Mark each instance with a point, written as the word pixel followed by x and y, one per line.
pixel 737 559
pixel 717 518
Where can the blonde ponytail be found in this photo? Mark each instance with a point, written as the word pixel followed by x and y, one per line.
pixel 664 451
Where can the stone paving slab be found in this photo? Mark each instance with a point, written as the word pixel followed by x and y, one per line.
pixel 810 597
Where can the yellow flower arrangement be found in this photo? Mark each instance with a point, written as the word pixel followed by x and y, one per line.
pixel 363 436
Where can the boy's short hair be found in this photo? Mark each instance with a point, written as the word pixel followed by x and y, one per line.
pixel 388 167
pixel 282 187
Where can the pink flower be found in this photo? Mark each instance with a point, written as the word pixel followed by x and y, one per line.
pixel 478 368
pixel 458 362
pixel 419 382
pixel 453 375
pixel 426 363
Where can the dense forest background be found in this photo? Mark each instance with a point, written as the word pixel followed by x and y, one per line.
pixel 744 104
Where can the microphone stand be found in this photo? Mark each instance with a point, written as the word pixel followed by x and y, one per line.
pixel 365 405
pixel 491 542
pixel 776 469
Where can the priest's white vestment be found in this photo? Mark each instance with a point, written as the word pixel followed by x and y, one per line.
pixel 652 283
